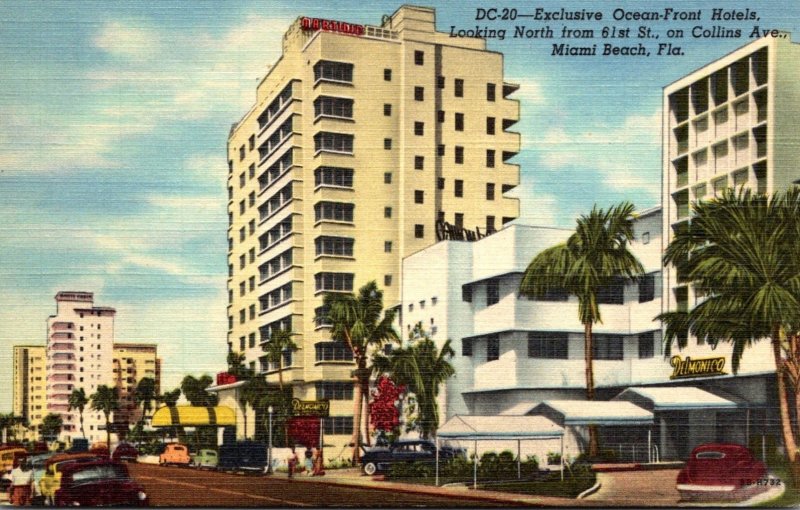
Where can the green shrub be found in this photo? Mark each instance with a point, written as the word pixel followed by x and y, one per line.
pixel 411 470
pixel 457 468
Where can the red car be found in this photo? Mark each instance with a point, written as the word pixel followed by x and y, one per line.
pixel 125 452
pixel 721 471
pixel 98 483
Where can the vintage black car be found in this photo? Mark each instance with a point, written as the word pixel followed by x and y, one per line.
pixel 380 458
pixel 243 456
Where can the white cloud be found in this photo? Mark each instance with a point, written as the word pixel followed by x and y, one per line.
pixel 129 41
pixel 530 91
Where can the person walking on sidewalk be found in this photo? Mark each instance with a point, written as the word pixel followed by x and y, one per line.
pixel 308 464
pixel 319 463
pixel 292 462
pixel 21 484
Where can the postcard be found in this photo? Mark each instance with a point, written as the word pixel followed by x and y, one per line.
pixel 268 254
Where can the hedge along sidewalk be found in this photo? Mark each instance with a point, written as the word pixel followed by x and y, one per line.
pixel 353 478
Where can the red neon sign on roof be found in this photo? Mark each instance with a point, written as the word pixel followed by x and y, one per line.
pixel 328 25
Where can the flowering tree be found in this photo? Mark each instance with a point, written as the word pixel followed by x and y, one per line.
pixel 383 412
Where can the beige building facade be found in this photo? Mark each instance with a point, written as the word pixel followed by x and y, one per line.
pixel 132 363
pixel 30 384
pixel 363 141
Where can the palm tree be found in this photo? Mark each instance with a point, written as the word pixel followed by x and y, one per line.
pixel 422 368
pixel 594 257
pixel 78 400
pixel 145 395
pixel 740 251
pixel 6 423
pixel 106 400
pixel 251 394
pixel 51 426
pixel 236 366
pixel 170 398
pixel 279 343
pixel 194 390
pixel 361 324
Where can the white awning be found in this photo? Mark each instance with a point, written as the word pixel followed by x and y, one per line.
pixel 520 409
pixel 676 398
pixel 497 427
pixel 584 412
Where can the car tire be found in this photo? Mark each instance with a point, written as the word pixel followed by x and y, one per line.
pixel 370 468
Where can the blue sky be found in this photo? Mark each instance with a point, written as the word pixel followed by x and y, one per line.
pixel 114 124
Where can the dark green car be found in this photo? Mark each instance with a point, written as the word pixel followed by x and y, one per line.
pixel 205 458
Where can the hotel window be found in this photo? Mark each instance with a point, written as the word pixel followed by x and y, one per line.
pixel 252 312
pixel 440 150
pixel 251 339
pixel 489 158
pixel 419 128
pixel 548 345
pixel 419 162
pixel 333 176
pixel 242 262
pixel 490 91
pixel 387 144
pixel 492 292
pixel 242 316
pixel 242 288
pixel 334 390
pixel 459 188
pixel 338 107
pixel 459 220
pixel 241 343
pixel 251 171
pixel 251 142
pixel 613 293
pixel 459 122
pixel 338 425
pixel 490 224
pixel 251 226
pixel 333 142
pixel 492 347
pixel 440 183
pixel 387 177
pixel 242 180
pixel 230 166
pixel 387 212
pixel 646 238
pixel 440 214
pixel 333 281
pixel 440 82
pixel 252 283
pixel 387 280
pixel 647 288
pixel 241 153
pixel 332 351
pixel 333 211
pixel 337 246
pixel 419 231
pixel 387 247
pixel 387 110
pixel 251 199
pixel 387 75
pixel 459 92
pixel 607 347
pixel 440 116
pixel 419 57
pixel 646 342
pixel 419 196
pixel 333 71
pixel 466 293
pixel 466 347
pixel 459 155
pixel 489 125
pixel 419 93
pixel 241 207
pixel 489 191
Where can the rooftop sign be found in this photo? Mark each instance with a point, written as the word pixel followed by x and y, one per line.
pixel 448 231
pixel 329 25
pixel 703 367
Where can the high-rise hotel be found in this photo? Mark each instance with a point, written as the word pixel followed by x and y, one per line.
pixel 30 384
pixel 729 124
pixel 362 141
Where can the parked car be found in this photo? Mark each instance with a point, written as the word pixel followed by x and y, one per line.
pixel 51 479
pixel 7 456
pixel 380 458
pixel 98 483
pixel 243 456
pixel 79 445
pixel 205 458
pixel 175 453
pixel 721 471
pixel 125 452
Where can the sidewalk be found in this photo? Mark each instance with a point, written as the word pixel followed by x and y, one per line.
pixel 352 477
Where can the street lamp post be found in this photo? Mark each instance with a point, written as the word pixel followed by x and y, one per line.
pixel 269 466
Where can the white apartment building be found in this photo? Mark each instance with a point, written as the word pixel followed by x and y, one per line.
pixel 80 342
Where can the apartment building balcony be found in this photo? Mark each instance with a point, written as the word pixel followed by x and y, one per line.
pixel 60 377
pixel 58 407
pixel 63 346
pixel 61 335
pixel 62 356
pixel 62 326
pixel 65 387
pixel 64 366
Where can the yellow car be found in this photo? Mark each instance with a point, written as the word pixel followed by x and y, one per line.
pixel 51 479
pixel 7 454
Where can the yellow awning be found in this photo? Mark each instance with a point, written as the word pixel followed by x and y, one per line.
pixel 191 416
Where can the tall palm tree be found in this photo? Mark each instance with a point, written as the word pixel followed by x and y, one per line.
pixel 279 343
pixel 51 426
pixel 422 368
pixel 740 251
pixel 251 394
pixel 106 400
pixel 78 400
pixel 145 395
pixel 593 257
pixel 359 322
pixel 170 398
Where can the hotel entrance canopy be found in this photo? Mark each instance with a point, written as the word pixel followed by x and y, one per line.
pixel 585 412
pixel 191 416
pixel 677 398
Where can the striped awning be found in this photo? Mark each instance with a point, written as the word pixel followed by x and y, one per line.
pixel 191 416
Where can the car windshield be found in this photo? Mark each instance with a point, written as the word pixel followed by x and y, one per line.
pixel 710 455
pixel 102 472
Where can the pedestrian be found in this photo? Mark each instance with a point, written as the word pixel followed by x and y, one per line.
pixel 319 463
pixel 292 462
pixel 21 484
pixel 308 464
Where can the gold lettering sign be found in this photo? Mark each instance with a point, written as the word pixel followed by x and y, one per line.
pixel 319 408
pixel 703 367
